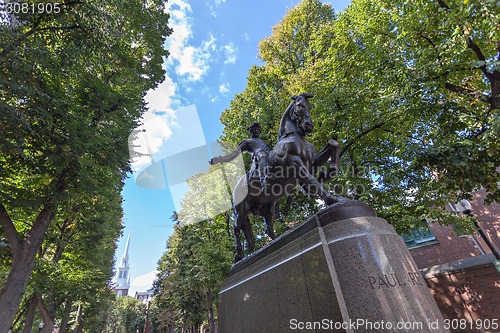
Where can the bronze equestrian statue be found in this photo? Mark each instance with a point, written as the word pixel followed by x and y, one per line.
pixel 293 161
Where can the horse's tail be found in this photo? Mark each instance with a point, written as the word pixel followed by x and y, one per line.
pixel 284 120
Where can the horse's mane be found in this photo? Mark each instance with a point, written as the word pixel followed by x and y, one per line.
pixel 287 126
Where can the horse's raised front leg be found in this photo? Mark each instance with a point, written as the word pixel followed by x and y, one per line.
pixel 330 151
pixel 313 186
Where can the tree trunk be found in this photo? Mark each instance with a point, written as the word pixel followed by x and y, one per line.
pixel 19 316
pixel 147 325
pixel 13 291
pixel 23 260
pixel 48 320
pixel 211 322
pixel 65 318
pixel 217 321
pixel 79 320
pixel 495 90
pixel 30 315
pixel 50 303
pixel 23 255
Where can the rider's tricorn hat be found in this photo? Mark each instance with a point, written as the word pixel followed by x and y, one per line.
pixel 254 125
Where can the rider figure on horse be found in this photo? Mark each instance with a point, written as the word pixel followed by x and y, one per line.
pixel 259 150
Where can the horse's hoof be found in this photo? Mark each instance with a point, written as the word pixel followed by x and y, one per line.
pixel 330 200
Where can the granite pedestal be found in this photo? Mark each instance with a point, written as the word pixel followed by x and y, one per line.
pixel 342 270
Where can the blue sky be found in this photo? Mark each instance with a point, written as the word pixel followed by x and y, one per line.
pixel 214 44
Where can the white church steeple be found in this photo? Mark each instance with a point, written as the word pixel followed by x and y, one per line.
pixel 122 278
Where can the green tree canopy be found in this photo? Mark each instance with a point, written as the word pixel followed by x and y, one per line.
pixel 191 271
pixel 127 315
pixel 409 90
pixel 71 90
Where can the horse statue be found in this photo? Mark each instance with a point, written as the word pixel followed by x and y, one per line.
pixel 293 161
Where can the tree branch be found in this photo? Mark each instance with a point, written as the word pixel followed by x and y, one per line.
pixel 360 135
pixel 70 27
pixel 491 76
pixel 42 221
pixel 474 47
pixel 442 4
pixel 49 323
pixel 34 29
pixel 433 46
pixel 23 37
pixel 9 230
pixel 461 90
pixel 63 240
pixel 409 136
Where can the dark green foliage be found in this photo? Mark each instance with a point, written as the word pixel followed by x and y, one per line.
pixel 191 271
pixel 71 91
pixel 401 87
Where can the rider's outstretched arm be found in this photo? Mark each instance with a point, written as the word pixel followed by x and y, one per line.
pixel 235 153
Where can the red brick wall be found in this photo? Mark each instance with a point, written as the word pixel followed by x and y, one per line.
pixel 451 247
pixel 471 294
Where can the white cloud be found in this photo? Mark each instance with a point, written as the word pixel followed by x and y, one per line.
pixel 224 88
pixel 194 62
pixel 149 137
pixel 161 98
pixel 212 7
pixel 190 61
pixel 156 124
pixel 143 282
pixel 245 37
pixel 230 51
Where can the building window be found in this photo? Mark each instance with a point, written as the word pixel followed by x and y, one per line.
pixel 124 274
pixel 419 236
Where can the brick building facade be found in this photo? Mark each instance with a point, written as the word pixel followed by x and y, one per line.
pixel 459 270
pixel 448 246
pixel 468 292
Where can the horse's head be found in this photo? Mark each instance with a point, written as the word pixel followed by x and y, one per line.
pixel 300 113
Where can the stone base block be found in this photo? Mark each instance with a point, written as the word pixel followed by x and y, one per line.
pixel 342 270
